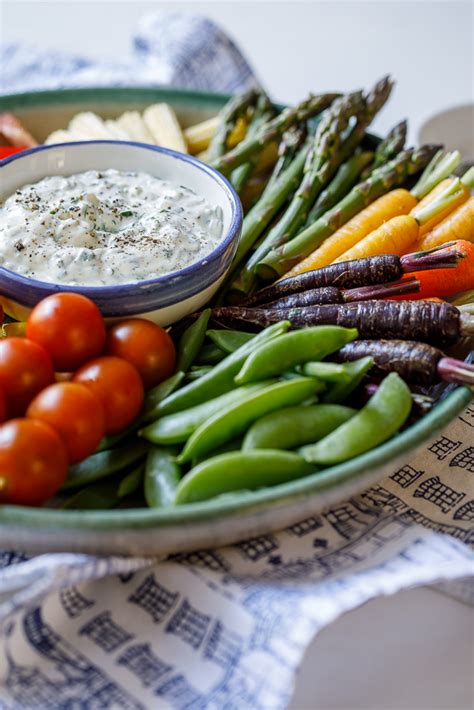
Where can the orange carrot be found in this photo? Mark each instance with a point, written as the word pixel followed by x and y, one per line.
pixel 446 282
pixel 396 202
pixel 394 237
pixel 457 225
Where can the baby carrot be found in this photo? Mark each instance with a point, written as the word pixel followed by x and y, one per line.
pixel 393 237
pixel 464 191
pixel 457 225
pixel 398 234
pixel 396 202
pixel 446 282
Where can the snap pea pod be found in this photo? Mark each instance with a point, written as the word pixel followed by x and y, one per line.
pixel 98 496
pixel 111 441
pixel 131 482
pixel 234 445
pixel 177 428
pixel 104 464
pixel 350 380
pixel 291 427
pixel 381 417
pixel 325 371
pixel 232 421
pixel 221 378
pixel 196 372
pixel 210 355
pixel 103 495
pixel 162 476
pixel 191 341
pixel 230 340
pixel 240 470
pixel 293 348
pixel 156 395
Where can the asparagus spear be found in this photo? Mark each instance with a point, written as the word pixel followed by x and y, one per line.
pixel 365 113
pixel 383 179
pixel 290 143
pixel 229 115
pixel 263 112
pixel 264 210
pixel 321 162
pixel 374 101
pixel 342 182
pixel 389 147
pixel 271 131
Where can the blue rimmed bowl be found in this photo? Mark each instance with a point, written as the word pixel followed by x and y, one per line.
pixel 165 299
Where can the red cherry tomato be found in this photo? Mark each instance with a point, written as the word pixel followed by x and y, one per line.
pixel 33 462
pixel 70 327
pixel 146 346
pixel 3 406
pixel 118 386
pixel 75 412
pixel 25 369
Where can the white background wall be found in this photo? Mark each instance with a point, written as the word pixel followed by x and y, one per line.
pixel 296 46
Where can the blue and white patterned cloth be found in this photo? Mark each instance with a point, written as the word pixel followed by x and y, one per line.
pixel 224 628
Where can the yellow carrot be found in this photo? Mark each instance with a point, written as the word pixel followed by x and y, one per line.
pixel 462 197
pixel 457 225
pixel 396 202
pixel 399 234
pixel 393 237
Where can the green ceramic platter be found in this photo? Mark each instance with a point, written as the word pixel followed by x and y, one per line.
pixel 219 521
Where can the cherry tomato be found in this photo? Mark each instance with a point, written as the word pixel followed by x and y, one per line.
pixel 25 369
pixel 146 346
pixel 118 386
pixel 70 327
pixel 33 462
pixel 75 412
pixel 3 406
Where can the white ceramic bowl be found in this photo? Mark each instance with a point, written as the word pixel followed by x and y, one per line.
pixel 165 299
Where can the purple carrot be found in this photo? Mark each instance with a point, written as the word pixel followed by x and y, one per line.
pixel 360 272
pixel 429 321
pixel 331 294
pixel 419 363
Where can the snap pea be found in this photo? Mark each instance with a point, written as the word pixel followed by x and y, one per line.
pixel 351 378
pixel 104 464
pixel 177 428
pixel 325 371
pixel 131 482
pixel 235 419
pixel 98 496
pixel 221 378
pixel 234 445
pixel 156 395
pixel 210 355
pixel 381 417
pixel 111 441
pixel 103 495
pixel 230 340
pixel 196 372
pixel 272 358
pixel 191 341
pixel 240 470
pixel 291 427
pixel 162 476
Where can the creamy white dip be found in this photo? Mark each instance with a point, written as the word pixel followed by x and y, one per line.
pixel 105 228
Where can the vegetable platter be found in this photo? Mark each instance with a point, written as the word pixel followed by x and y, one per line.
pixel 338 344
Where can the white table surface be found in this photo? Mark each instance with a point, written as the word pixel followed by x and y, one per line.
pixel 415 650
